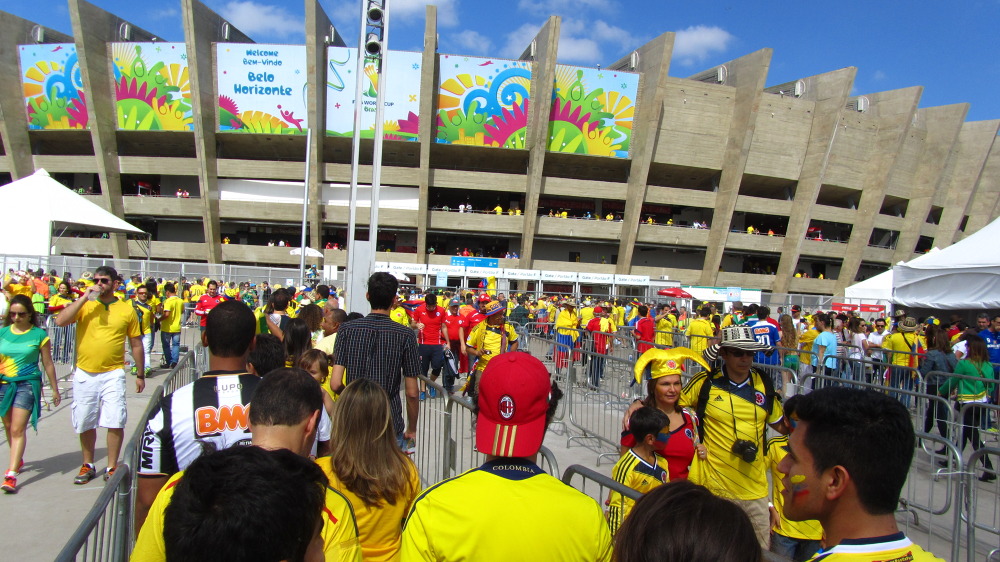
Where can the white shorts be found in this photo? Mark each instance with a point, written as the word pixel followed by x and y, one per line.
pixel 98 394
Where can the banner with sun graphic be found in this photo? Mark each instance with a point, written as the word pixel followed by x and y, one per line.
pixel 53 86
pixel 152 92
pixel 402 100
pixel 483 101
pixel 262 88
pixel 592 111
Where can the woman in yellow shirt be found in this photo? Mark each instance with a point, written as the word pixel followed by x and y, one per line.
pixel 367 466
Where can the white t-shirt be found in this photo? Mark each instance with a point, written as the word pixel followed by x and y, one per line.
pixel 875 338
pixel 961 349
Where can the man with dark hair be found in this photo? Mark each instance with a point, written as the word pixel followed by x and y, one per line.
pixel 432 335
pixel 285 415
pixel 333 318
pixel 505 509
pixel 170 326
pixel 645 330
pixel 701 330
pixel 103 323
pixel 848 457
pixel 207 302
pixel 211 411
pixel 267 355
pixel 383 351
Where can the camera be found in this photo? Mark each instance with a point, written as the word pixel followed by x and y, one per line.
pixel 747 450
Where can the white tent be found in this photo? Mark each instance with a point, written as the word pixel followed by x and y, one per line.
pixel 963 275
pixel 34 205
pixel 878 287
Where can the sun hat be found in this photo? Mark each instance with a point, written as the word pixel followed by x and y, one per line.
pixel 663 362
pixel 735 337
pixel 454 302
pixel 908 324
pixel 513 400
pixel 491 308
pixel 598 310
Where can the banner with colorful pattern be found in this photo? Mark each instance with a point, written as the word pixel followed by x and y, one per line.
pixel 152 92
pixel 402 101
pixel 262 88
pixel 592 111
pixel 483 101
pixel 53 86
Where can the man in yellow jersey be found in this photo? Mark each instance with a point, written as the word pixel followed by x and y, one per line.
pixel 103 323
pixel 795 540
pixel 285 416
pixel 488 339
pixel 848 476
pixel 665 323
pixel 735 404
pixel 508 508
pixel 170 327
pixel 902 346
pixel 701 330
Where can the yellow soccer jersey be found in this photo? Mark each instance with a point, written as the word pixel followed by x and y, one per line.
pixel 906 343
pixel 340 532
pixel 567 322
pixel 171 324
pixel 777 448
pixel 101 331
pixel 891 548
pixel 489 338
pixel 507 509
pixel 399 315
pixel 637 474
pixel 732 412
pixel 806 344
pixel 586 315
pixel 664 330
pixel 700 332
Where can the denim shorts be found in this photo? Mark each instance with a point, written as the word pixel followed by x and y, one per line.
pixel 24 397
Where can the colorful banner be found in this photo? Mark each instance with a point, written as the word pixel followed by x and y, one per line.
pixel 402 101
pixel 53 86
pixel 152 92
pixel 262 88
pixel 483 101
pixel 592 111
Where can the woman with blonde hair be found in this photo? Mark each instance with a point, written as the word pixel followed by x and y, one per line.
pixel 368 467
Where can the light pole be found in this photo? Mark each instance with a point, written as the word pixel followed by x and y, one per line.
pixel 372 41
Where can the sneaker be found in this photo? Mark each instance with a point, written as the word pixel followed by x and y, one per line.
pixel 431 393
pixel 10 482
pixel 148 370
pixel 423 395
pixel 987 477
pixel 164 365
pixel 172 365
pixel 134 370
pixel 87 473
pixel 108 472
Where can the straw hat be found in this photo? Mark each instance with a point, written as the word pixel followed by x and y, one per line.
pixel 735 337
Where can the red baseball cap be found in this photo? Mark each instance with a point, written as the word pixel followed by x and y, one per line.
pixel 513 399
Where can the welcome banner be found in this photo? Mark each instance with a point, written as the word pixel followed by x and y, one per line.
pixel 262 88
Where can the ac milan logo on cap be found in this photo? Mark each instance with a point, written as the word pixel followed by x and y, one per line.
pixel 759 398
pixel 506 408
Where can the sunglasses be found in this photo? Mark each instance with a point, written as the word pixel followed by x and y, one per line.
pixel 102 280
pixel 14 314
pixel 739 353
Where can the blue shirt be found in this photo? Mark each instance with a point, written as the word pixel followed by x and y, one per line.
pixel 830 341
pixel 992 344
pixel 765 332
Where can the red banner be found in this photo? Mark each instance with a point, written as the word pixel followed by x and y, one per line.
pixel 844 307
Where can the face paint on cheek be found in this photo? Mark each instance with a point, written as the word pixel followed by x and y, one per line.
pixel 799 488
pixel 798 479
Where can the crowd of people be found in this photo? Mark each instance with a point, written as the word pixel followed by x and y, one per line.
pixel 336 399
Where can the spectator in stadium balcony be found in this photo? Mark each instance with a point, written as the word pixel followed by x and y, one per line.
pixel 283 422
pixel 679 522
pixel 368 468
pixel 505 509
pixel 177 431
pixel 22 344
pixel 381 350
pixel 849 477
pixel 102 327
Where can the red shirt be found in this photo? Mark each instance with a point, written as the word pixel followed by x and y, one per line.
pixel 454 322
pixel 680 449
pixel 432 321
pixel 206 304
pixel 644 331
pixel 601 340
pixel 474 319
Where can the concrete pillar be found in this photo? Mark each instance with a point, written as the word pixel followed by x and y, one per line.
pixel 891 115
pixel 941 126
pixel 13 116
pixel 543 75
pixel 975 143
pixel 829 92
pixel 654 63
pixel 317 34
pixel 747 75
pixel 429 73
pixel 986 202
pixel 202 27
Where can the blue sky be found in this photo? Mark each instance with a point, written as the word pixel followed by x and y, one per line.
pixel 948 48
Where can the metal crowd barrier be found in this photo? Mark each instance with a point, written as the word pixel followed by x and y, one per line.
pixel 106 532
pixel 63 339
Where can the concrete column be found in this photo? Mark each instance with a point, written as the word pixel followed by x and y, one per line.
pixel 892 115
pixel 942 125
pixel 543 75
pixel 13 116
pixel 829 91
pixel 317 34
pixel 986 202
pixel 202 27
pixel 429 73
pixel 654 63
pixel 93 29
pixel 747 75
pixel 975 143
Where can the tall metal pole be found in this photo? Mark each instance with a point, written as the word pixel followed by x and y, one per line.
pixel 379 131
pixel 356 154
pixel 305 206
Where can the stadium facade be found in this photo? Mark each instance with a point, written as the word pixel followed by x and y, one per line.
pixel 834 186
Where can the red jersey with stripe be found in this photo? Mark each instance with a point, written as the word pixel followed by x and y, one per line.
pixel 432 321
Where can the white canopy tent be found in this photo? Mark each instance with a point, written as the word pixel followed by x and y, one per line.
pixel 878 287
pixel 36 204
pixel 963 275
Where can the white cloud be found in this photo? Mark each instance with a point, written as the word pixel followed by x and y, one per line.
pixel 165 13
pixel 563 7
pixel 698 42
pixel 878 76
pixel 412 11
pixel 469 41
pixel 579 41
pixel 265 19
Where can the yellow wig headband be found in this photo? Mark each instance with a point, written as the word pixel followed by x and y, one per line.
pixel 665 362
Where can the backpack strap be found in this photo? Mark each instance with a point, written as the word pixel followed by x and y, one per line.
pixel 703 392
